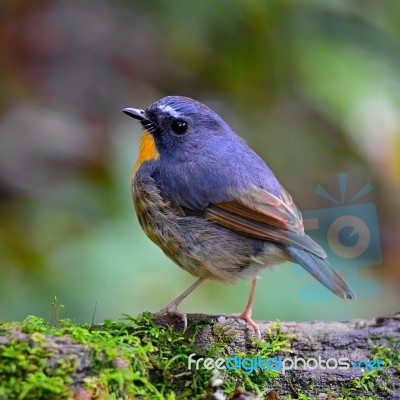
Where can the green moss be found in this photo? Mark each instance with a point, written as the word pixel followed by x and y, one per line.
pixel 378 380
pixel 26 373
pixel 127 359
pixel 245 376
pixel 390 356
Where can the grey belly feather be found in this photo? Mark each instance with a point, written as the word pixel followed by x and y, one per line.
pixel 196 244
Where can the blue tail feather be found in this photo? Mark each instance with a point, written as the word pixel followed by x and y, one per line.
pixel 320 269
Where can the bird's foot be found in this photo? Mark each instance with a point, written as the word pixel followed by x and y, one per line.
pixel 246 316
pixel 173 310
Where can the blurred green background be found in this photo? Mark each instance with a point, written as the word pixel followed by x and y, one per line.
pixel 313 86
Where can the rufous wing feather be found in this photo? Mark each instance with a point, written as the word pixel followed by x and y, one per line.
pixel 259 214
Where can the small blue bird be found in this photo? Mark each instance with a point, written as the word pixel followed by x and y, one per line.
pixel 213 205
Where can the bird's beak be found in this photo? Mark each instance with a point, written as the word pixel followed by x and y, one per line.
pixel 141 116
pixel 135 113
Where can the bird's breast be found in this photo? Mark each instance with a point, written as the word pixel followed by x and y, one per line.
pixel 198 245
pixel 147 150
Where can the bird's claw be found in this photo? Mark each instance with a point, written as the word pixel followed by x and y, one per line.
pixel 247 318
pixel 173 310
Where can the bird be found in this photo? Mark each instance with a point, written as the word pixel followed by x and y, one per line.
pixel 214 206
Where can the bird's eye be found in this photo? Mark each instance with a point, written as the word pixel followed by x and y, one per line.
pixel 179 126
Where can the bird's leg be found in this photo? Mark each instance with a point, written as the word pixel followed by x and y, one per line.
pixel 172 308
pixel 246 314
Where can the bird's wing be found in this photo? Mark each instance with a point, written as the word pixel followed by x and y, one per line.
pixel 261 215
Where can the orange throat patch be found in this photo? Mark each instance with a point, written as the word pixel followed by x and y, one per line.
pixel 147 150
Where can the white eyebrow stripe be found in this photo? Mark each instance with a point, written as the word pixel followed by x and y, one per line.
pixel 170 111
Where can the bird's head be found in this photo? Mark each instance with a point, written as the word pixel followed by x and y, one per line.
pixel 180 126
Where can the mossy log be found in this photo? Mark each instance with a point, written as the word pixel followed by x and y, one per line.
pixel 374 339
pixel 148 357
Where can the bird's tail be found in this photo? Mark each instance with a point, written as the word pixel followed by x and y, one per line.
pixel 320 269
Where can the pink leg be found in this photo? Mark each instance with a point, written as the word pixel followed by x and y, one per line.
pixel 246 314
pixel 172 308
